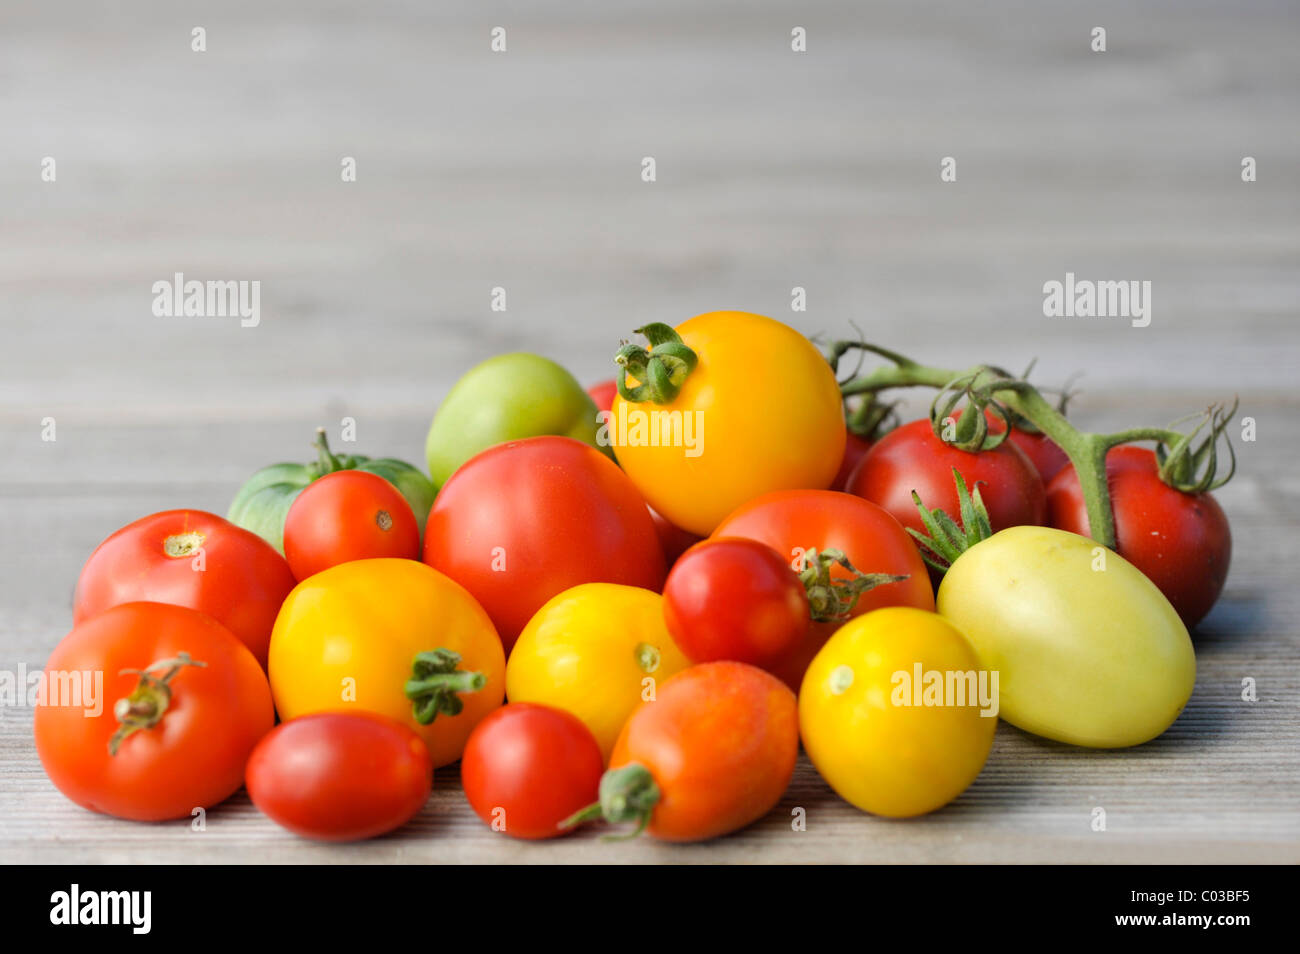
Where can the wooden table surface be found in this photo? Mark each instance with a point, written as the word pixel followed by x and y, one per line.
pixel 775 170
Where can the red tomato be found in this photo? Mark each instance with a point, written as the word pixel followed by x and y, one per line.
pixel 528 767
pixel 734 598
pixel 914 458
pixel 719 742
pixel 348 515
pixel 525 520
pixel 674 540
pixel 793 522
pixel 195 559
pixel 340 776
pixel 603 394
pixel 1180 541
pixel 194 733
pixel 855 448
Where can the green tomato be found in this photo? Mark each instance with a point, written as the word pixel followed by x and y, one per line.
pixel 1087 649
pixel 507 398
pixel 264 501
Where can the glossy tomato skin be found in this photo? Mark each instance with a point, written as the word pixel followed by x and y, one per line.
pixel 348 515
pixel 793 522
pixel 884 757
pixel 194 757
pixel 720 740
pixel 913 457
pixel 1042 451
pixel 1181 542
pixel 735 598
pixel 596 650
pixel 529 767
pixel 338 776
pixel 855 448
pixel 194 559
pixel 346 640
pixel 767 415
pixel 526 520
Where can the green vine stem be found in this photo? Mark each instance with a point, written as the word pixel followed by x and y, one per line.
pixel 148 701
pixel 436 683
pixel 660 371
pixel 1192 470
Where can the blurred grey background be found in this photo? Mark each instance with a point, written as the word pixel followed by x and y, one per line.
pixel 522 169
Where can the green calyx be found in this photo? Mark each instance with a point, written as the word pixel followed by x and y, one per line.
pixel 436 683
pixel 627 794
pixel 833 598
pixel 148 701
pixel 945 540
pixel 661 371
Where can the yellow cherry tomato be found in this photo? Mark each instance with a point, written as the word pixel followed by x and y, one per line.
pixel 597 650
pixel 895 714
pixel 761 411
pixel 381 636
pixel 1089 650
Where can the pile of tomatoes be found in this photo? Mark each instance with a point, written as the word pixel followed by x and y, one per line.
pixel 675 580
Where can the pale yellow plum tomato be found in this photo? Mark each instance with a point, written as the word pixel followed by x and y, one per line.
pixel 1088 649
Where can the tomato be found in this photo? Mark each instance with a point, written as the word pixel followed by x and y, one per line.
pixel 596 650
pixel 393 637
pixel 507 398
pixel 528 767
pixel 524 521
pixel 674 541
pixel 1042 451
pixel 189 558
pixel 348 515
pixel 761 411
pixel 888 742
pixel 263 503
pixel 339 776
pixel 1088 650
pixel 914 458
pixel 602 394
pixel 793 522
pixel 734 598
pixel 188 728
pixel 855 448
pixel 713 753
pixel 1181 541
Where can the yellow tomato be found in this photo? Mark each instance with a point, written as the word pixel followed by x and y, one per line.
pixel 761 411
pixel 596 650
pixel 348 638
pixel 894 712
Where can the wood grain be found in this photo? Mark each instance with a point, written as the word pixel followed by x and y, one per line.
pixel 775 170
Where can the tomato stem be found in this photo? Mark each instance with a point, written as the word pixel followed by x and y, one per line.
pixel 148 701
pixel 660 372
pixel 1014 398
pixel 627 793
pixel 435 685
pixel 834 598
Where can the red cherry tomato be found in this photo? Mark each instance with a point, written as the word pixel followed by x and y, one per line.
pixel 195 559
pixel 914 458
pixel 340 776
pixel 528 767
pixel 348 515
pixel 855 448
pixel 735 598
pixel 674 540
pixel 792 522
pixel 1180 541
pixel 603 394
pixel 193 734
pixel 526 520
